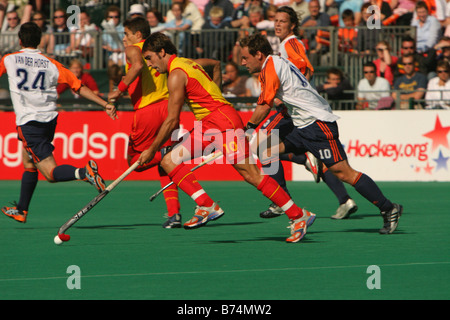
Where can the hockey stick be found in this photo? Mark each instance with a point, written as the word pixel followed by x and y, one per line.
pixel 207 160
pixel 61 236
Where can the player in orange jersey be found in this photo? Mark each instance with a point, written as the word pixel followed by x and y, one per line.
pixel 33 78
pixel 292 48
pixel 189 83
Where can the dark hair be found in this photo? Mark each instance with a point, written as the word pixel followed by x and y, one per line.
pixel 348 14
pixel 157 14
pixel 370 64
pixel 158 41
pixel 335 71
pixel 112 8
pixel 257 42
pixel 443 64
pixel 293 18
pixel 138 24
pixel 30 35
pixel 422 4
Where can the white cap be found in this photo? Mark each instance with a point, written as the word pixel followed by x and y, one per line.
pixel 137 9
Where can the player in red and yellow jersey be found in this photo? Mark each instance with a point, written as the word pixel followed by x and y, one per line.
pixel 148 92
pixel 189 83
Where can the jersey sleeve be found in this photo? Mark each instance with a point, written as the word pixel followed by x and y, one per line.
pixel 296 54
pixel 270 84
pixel 66 76
pixel 2 66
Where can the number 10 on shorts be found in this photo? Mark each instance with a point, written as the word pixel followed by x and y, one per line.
pixel 325 154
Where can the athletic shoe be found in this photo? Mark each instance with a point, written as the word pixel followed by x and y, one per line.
pixel 203 215
pixel 273 212
pixel 173 222
pixel 16 214
pixel 345 210
pixel 93 177
pixel 299 226
pixel 313 165
pixel 390 219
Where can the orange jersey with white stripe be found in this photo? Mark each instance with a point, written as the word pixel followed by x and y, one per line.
pixel 293 49
pixel 203 96
pixel 281 79
pixel 33 79
pixel 149 87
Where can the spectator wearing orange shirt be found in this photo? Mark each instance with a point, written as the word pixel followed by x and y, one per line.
pixel 86 79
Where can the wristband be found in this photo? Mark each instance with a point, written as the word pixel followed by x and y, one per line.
pixel 250 125
pixel 122 86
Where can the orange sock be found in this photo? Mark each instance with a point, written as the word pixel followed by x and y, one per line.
pixel 272 190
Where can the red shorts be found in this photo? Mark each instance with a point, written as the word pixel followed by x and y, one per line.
pixel 146 124
pixel 221 130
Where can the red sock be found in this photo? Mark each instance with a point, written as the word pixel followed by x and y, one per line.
pixel 272 190
pixel 187 182
pixel 170 194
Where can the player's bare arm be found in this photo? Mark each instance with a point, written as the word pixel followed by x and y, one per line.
pixel 134 58
pixel 176 83
pixel 261 112
pixel 87 93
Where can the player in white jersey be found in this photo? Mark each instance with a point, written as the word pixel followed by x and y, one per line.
pixel 315 127
pixel 293 49
pixel 33 78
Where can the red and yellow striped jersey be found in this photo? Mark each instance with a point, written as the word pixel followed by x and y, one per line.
pixel 149 87
pixel 203 96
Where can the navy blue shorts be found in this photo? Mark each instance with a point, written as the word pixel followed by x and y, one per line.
pixel 281 122
pixel 320 138
pixel 37 138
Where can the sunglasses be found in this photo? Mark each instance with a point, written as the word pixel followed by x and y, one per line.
pixel 369 72
pixel 442 71
pixel 58 17
pixel 408 63
pixel 412 48
pixel 113 17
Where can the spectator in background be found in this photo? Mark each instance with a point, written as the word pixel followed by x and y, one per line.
pixel 216 45
pixel 371 88
pixel 267 26
pixel 354 6
pixel 348 35
pixel 240 18
pixel 233 84
pixel 404 9
pixel 428 28
pixel 385 8
pixel 443 49
pixel 137 10
pixel 113 33
pixel 424 64
pixel 76 66
pixel 155 20
pixel 438 88
pixel 253 86
pixel 334 87
pixel 9 36
pixel 385 63
pixel 226 5
pixel 177 26
pixel 84 39
pixel 61 33
pixel 190 12
pixel 366 37
pixel 301 7
pixel 315 19
pixel 115 75
pixel 411 86
pixel 47 44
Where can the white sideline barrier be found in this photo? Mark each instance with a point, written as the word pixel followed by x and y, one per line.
pixel 394 145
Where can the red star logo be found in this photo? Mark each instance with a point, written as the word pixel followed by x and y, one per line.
pixel 438 135
pixel 428 169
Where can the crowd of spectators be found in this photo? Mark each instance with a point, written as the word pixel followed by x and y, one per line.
pixel 420 66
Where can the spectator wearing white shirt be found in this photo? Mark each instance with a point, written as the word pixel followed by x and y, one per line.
pixel 428 28
pixel 371 88
pixel 438 89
